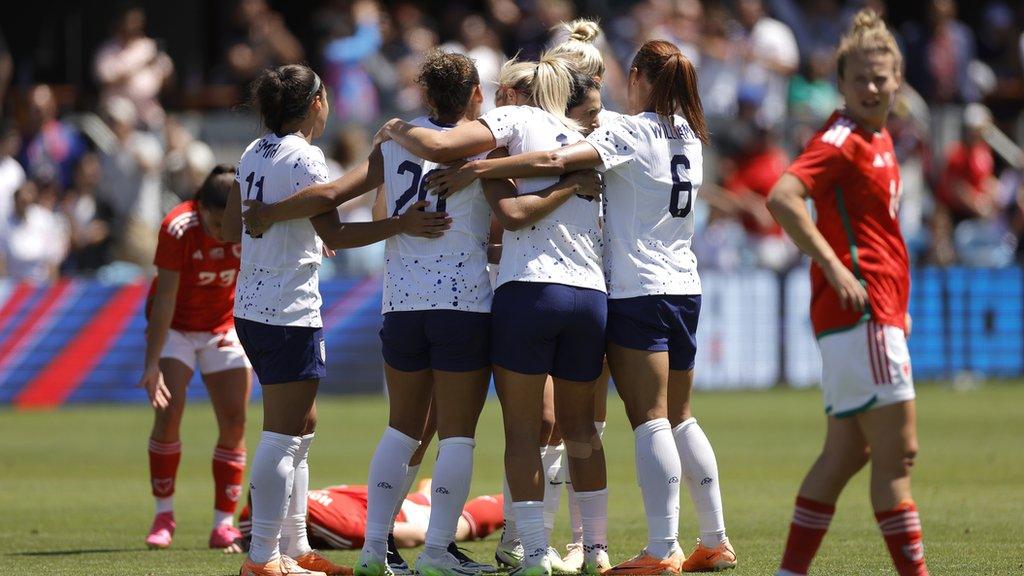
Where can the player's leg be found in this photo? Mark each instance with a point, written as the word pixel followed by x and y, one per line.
pixel 165 447
pixel 460 357
pixel 552 450
pixel 845 452
pixel 578 364
pixel 891 432
pixel 229 394
pixel 574 550
pixel 398 565
pixel 641 379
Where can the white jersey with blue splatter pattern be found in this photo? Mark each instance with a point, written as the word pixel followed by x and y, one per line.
pixel 278 281
pixel 446 273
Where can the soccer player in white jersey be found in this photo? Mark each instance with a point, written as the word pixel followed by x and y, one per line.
pixel 277 311
pixel 652 166
pixel 548 313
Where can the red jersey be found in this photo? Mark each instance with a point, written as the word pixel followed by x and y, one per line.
pixel 972 164
pixel 208 268
pixel 854 181
pixel 758 172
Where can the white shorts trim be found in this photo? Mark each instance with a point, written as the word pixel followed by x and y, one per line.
pixel 867 366
pixel 211 352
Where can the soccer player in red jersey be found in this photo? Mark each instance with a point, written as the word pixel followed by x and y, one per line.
pixel 191 323
pixel 336 517
pixel 860 280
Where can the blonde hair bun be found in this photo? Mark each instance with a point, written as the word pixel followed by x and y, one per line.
pixel 582 30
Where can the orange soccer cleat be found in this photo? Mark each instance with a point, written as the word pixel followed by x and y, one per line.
pixel 643 564
pixel 704 559
pixel 313 560
pixel 283 566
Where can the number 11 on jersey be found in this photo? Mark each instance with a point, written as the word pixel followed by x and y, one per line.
pixel 259 192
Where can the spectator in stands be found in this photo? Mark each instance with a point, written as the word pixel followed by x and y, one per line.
pixel 938 54
pixel 187 162
pixel 479 41
pixel 748 173
pixel 131 183
pixel 721 66
pixel 33 239
pixel 12 175
pixel 969 188
pixel 263 41
pixel 51 146
pixel 355 96
pixel 134 66
pixel 813 95
pixel 87 217
pixel 770 56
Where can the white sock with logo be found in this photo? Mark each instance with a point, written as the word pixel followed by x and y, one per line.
pixel 450 488
pixel 388 471
pixel 294 542
pixel 551 466
pixel 658 472
pixel 700 471
pixel 530 524
pixel 270 487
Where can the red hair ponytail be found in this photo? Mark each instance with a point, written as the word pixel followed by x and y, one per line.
pixel 673 80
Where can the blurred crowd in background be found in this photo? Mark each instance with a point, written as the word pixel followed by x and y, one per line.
pixel 88 170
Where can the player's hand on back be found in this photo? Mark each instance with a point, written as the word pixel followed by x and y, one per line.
pixel 255 224
pixel 852 294
pixel 382 135
pixel 416 221
pixel 153 381
pixel 589 181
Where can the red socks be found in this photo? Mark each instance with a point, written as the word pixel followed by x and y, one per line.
pixel 901 528
pixel 163 467
pixel 228 467
pixel 484 515
pixel 808 528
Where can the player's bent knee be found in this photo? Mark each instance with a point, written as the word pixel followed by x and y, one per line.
pixel 583 450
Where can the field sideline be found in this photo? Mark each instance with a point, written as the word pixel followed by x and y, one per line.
pixel 74 495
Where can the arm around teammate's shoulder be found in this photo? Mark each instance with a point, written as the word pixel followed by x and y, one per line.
pixel 435 145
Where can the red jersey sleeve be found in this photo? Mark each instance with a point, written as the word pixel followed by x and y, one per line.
pixel 170 250
pixel 818 166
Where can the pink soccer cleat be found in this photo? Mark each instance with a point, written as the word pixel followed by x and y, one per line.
pixel 224 536
pixel 162 532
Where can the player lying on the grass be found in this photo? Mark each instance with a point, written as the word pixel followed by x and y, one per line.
pixel 336 517
pixel 860 289
pixel 190 325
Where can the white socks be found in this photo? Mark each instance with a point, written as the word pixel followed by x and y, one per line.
pixel 410 477
pixel 270 486
pixel 388 472
pixel 551 466
pixel 575 520
pixel 165 505
pixel 509 533
pixel 700 470
pixel 530 525
pixel 658 472
pixel 294 542
pixel 450 489
pixel 594 515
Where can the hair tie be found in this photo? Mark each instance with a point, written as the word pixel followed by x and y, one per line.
pixel 316 87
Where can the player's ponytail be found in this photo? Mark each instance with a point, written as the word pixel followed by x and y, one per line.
pixel 284 94
pixel 213 193
pixel 673 80
pixel 579 48
pixel 868 33
pixel 551 86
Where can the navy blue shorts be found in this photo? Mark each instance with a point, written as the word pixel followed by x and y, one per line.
pixel 657 323
pixel 282 354
pixel 450 340
pixel 541 328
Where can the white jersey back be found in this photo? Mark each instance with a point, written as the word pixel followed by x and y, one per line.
pixel 446 273
pixel 564 247
pixel 652 167
pixel 278 282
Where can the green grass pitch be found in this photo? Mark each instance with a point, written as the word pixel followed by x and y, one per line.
pixel 74 495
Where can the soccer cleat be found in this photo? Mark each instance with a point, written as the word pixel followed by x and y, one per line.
pixel 224 536
pixel 597 563
pixel 704 559
pixel 371 565
pixel 315 561
pixel 573 558
pixel 559 568
pixel 162 531
pixel 468 562
pixel 398 565
pixel 283 566
pixel 509 552
pixel 444 565
pixel 643 564
pixel 541 567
